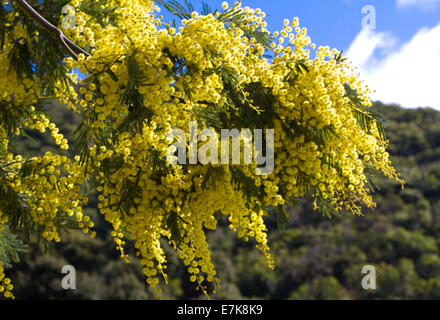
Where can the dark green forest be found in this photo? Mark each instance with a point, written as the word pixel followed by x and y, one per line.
pixel 316 257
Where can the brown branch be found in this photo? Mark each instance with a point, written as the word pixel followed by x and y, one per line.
pixel 55 32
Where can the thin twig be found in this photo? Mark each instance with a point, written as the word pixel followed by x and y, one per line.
pixel 55 32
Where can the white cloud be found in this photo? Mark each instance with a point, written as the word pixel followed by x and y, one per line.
pixel 418 3
pixel 408 74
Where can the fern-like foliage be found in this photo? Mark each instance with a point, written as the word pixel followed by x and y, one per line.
pixel 10 247
pixel 366 117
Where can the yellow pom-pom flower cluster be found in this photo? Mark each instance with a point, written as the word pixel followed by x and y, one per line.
pixel 144 78
pixel 5 284
pixel 50 186
pixel 43 190
pixel 149 199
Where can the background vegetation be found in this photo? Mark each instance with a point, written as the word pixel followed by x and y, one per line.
pixel 317 258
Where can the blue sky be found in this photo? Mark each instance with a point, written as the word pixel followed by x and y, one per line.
pixel 406 35
pixel 337 22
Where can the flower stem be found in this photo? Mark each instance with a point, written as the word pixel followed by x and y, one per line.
pixel 55 32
